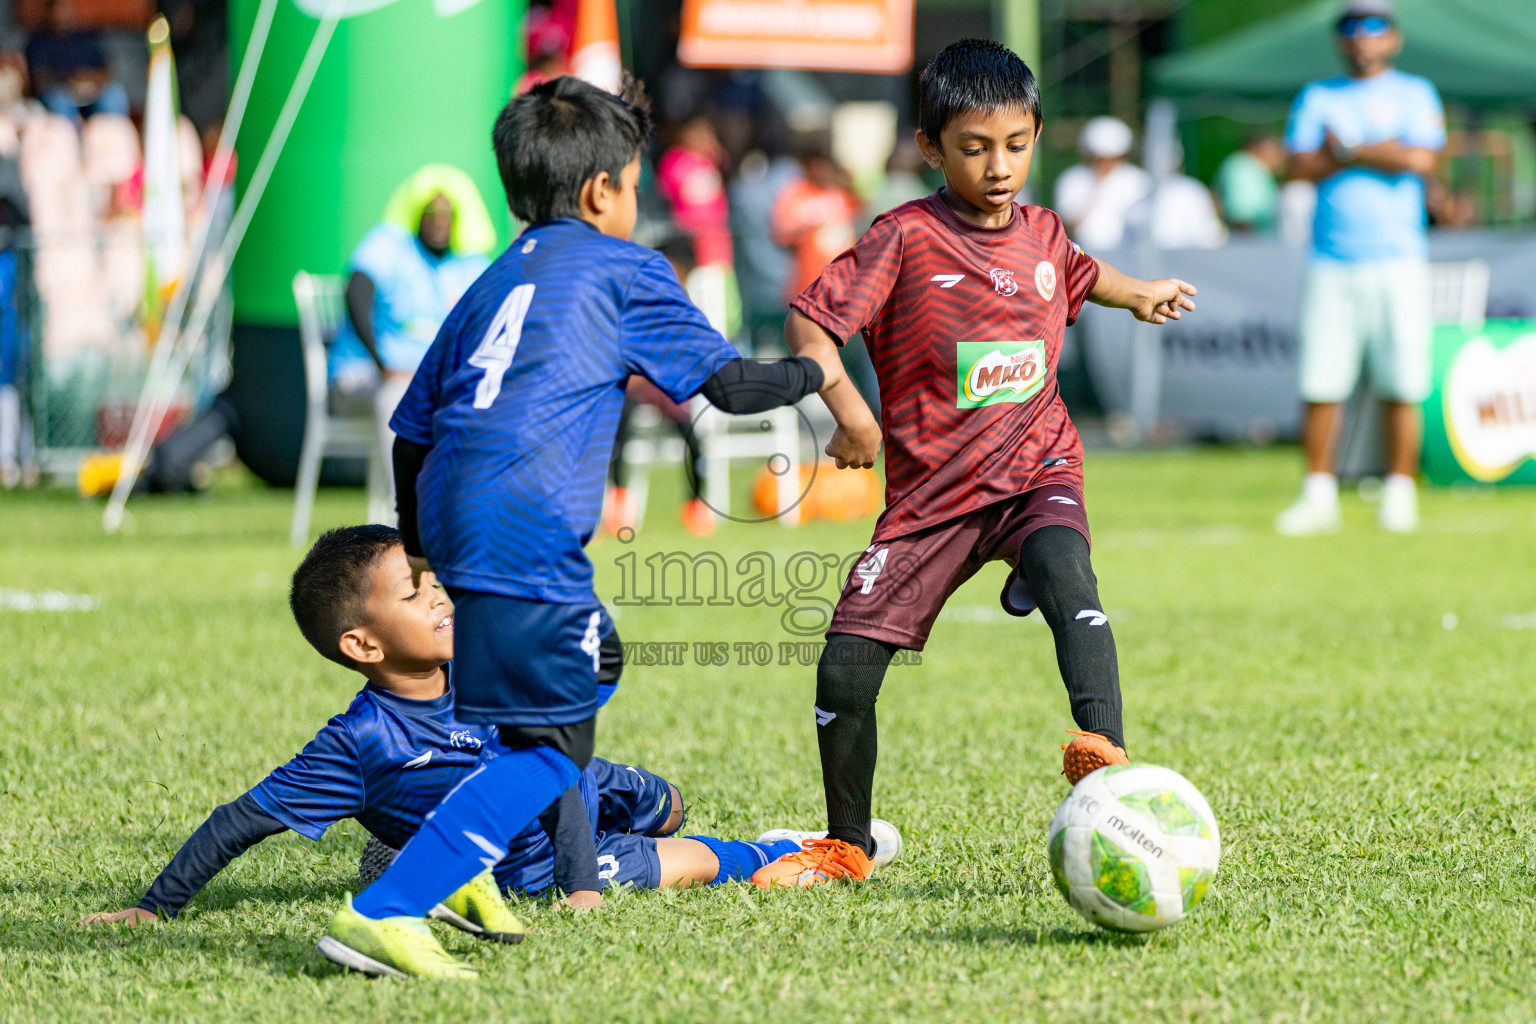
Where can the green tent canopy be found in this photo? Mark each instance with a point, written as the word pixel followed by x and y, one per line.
pixel 1481 52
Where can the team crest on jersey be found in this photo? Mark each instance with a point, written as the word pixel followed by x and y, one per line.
pixel 463 739
pixel 1045 279
pixel 1003 281
pixel 995 372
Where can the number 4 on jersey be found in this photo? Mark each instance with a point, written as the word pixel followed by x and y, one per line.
pixel 495 353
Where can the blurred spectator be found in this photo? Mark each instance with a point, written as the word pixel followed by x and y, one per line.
pixel 545 67
pixel 67 209
pixel 406 275
pixel 549 43
pixel 1094 198
pixel 689 176
pixel 903 180
pixel 68 66
pixel 1369 139
pixel 1448 208
pixel 208 145
pixel 762 267
pixel 1294 212
pixel 814 217
pixel 113 162
pixel 620 509
pixel 13 103
pixel 17 463
pixel 1247 187
pixel 1180 213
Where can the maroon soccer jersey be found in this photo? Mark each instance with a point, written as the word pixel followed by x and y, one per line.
pixel 964 325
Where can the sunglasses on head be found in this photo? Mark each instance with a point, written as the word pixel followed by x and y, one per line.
pixel 1371 25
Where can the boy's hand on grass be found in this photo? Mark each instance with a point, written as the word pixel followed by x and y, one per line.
pixel 1164 300
pixel 856 447
pixel 133 915
pixel 582 899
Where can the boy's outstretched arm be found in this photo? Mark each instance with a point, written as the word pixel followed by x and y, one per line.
pixel 229 831
pixel 856 441
pixel 575 850
pixel 1154 302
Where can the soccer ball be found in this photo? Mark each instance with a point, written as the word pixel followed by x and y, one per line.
pixel 1134 847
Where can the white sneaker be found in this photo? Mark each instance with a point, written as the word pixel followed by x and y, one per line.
pixel 886 836
pixel 1399 509
pixel 1308 517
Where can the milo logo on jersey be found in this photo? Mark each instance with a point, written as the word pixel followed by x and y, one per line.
pixel 993 372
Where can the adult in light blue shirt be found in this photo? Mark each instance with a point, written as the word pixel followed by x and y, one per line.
pixel 407 274
pixel 409 271
pixel 1368 139
pixel 1367 142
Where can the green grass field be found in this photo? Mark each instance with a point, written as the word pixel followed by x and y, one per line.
pixel 1371 766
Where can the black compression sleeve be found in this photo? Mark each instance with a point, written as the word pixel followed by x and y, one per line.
pixel 748 386
pixel 408 459
pixel 570 833
pixel 229 831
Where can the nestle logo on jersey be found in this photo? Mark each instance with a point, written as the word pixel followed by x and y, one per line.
pixel 994 372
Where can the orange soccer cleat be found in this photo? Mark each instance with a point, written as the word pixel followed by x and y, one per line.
pixel 818 860
pixel 1088 753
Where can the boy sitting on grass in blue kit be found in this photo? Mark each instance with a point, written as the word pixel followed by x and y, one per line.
pixel 398 749
pixel 502 448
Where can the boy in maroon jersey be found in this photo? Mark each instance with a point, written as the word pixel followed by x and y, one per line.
pixel 962 298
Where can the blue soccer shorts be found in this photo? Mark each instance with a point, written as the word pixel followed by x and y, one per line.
pixel 519 662
pixel 633 805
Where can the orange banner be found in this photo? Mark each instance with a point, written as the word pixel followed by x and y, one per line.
pixel 827 35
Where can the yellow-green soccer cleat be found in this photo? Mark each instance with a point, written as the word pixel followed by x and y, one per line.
pixel 477 907
pixel 392 947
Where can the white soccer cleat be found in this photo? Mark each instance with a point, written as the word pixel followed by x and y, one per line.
pixel 886 836
pixel 1308 518
pixel 1399 509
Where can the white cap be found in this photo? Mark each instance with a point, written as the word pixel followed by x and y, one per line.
pixel 1105 137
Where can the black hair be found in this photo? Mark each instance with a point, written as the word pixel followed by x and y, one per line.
pixel 974 74
pixel 680 253
pixel 557 136
pixel 330 589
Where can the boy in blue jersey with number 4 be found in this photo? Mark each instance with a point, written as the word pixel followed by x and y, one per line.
pixel 502 447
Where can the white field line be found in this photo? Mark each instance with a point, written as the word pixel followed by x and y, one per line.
pixel 46 601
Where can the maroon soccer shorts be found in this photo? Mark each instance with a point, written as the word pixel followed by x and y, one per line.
pixel 898 586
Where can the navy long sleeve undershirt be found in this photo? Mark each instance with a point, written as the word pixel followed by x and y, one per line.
pixel 230 830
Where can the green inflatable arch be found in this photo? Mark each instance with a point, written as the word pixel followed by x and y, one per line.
pixel 404 83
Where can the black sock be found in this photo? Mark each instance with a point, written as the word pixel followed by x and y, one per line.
pixel 1054 561
pixel 847 685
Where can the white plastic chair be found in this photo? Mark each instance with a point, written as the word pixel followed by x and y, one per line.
pixel 651 443
pixel 771 438
pixel 1458 293
pixel 319 300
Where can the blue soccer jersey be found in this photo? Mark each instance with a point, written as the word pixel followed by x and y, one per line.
pixel 520 395
pixel 386 761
